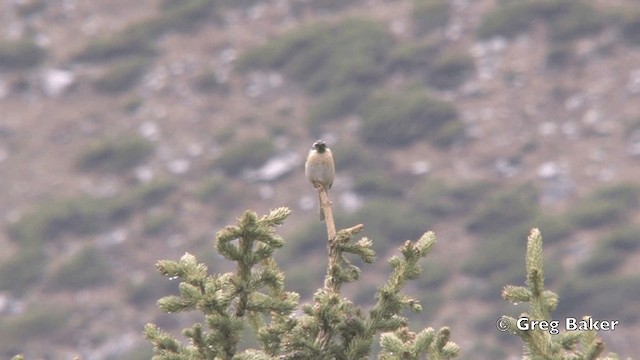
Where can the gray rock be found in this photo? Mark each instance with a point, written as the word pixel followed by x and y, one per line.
pixel 56 82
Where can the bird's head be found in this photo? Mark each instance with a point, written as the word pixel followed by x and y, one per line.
pixel 319 146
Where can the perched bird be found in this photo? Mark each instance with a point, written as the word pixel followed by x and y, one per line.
pixel 319 168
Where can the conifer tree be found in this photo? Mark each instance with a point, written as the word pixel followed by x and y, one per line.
pixel 540 344
pixel 254 297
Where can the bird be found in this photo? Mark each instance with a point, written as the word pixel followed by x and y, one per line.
pixel 320 169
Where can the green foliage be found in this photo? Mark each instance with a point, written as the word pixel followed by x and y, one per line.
pixel 141 352
pixel 604 296
pixel 604 261
pixel 569 19
pixel 559 56
pixel 321 5
pixel 414 56
pixel 355 156
pixel 208 81
pixel 144 196
pixel 495 256
pixel 255 290
pixel 212 188
pixel 253 296
pixel 429 15
pixel 143 292
pixel 326 56
pixel 132 104
pixel 450 70
pixel 335 103
pixel 577 20
pixel 89 267
pixel 435 274
pixel 631 27
pixel 116 155
pixel 505 210
pixel 506 20
pixel 402 118
pixel 185 15
pixel 439 199
pixel 138 39
pixel 391 219
pixel 623 240
pixel 134 40
pixel 22 269
pixel 50 220
pixel 377 184
pixel 242 155
pixel 156 224
pixel 556 227
pixel 440 69
pixel 28 8
pixel 20 54
pixel 607 205
pixel 611 251
pixel 84 215
pixel 122 75
pixel 57 217
pixel 38 321
pixel 540 344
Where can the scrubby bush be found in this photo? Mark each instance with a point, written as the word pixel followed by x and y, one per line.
pixel 391 218
pixel 559 56
pixel 184 15
pixel 300 6
pixel 414 56
pixel 212 188
pixel 142 292
pixel 440 199
pixel 335 103
pixel 30 7
pixel 20 54
pixel 556 227
pixel 450 70
pixel 402 118
pixel 138 39
pixel 116 155
pixel 580 19
pixel 22 269
pixel 326 56
pixel 122 75
pixel 146 195
pixel 158 223
pixel 601 262
pixel 631 27
pixel 607 205
pixel 508 209
pixel 623 240
pixel 207 81
pixel 495 256
pixel 89 267
pixel 568 19
pixel 83 215
pixel 40 320
pixel 506 20
pixel 242 155
pixel 611 251
pixel 604 297
pixel 377 184
pixel 134 40
pixel 429 15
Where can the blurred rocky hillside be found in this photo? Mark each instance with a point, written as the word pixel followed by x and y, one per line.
pixel 132 131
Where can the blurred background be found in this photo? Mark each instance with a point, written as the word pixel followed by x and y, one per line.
pixel 132 131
